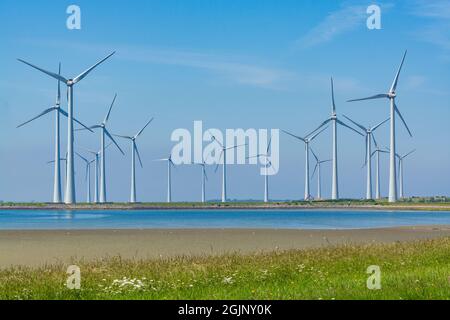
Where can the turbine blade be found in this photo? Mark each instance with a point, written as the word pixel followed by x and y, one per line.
pixel 142 130
pixel 38 116
pixel 374 141
pixel 58 98
pixel 319 127
pixel 89 128
pixel 332 97
pixel 380 124
pixel 109 111
pixel 315 168
pixel 343 124
pixel 314 154
pixel 138 155
pixel 315 135
pixel 85 73
pixel 51 74
pixel 235 147
pixel 403 120
pixel 215 139
pixel 293 135
pixel 395 82
pixel 114 141
pixel 64 113
pixel 81 157
pixel 124 137
pixel 378 96
pixel 409 153
pixel 268 146
pixel 356 123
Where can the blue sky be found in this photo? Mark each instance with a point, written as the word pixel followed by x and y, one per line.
pixel 231 64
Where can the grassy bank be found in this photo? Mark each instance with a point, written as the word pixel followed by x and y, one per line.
pixel 406 204
pixel 415 270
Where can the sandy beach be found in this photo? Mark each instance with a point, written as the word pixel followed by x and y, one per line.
pixel 36 248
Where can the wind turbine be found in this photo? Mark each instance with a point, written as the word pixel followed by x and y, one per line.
pixel 400 168
pixel 224 165
pixel 65 161
pixel 134 152
pixel 204 179
pixel 317 168
pixel 104 132
pixel 57 195
pixel 368 157
pixel 307 140
pixel 267 165
pixel 335 121
pixel 70 194
pixel 97 157
pixel 391 95
pixel 169 177
pixel 88 176
pixel 377 181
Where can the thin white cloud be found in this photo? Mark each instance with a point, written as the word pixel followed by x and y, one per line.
pixel 439 9
pixel 335 24
pixel 235 69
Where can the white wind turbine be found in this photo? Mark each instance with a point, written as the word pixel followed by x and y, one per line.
pixel 307 140
pixel 400 168
pixel 224 165
pixel 391 95
pixel 368 156
pixel 70 194
pixel 57 194
pixel 377 181
pixel 267 165
pixel 335 121
pixel 104 132
pixel 97 154
pixel 134 152
pixel 318 168
pixel 169 177
pixel 88 176
pixel 204 179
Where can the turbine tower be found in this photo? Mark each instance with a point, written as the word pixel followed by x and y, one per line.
pixel 391 95
pixel 400 168
pixel 377 181
pixel 267 165
pixel 318 169
pixel 57 194
pixel 224 165
pixel 88 176
pixel 70 194
pixel 97 169
pixel 104 132
pixel 368 157
pixel 134 152
pixel 307 140
pixel 335 121
pixel 204 179
pixel 169 177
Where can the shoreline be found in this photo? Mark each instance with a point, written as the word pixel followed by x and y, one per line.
pixel 35 248
pixel 230 206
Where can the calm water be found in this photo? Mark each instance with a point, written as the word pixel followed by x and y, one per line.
pixel 276 219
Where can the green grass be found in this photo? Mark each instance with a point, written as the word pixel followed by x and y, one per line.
pixel 415 270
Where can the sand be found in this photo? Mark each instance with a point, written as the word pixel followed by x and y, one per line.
pixel 37 248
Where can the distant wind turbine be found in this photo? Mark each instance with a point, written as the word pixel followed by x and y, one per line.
pixel 267 165
pixel 318 169
pixel 377 181
pixel 97 169
pixel 307 140
pixel 391 95
pixel 368 157
pixel 104 132
pixel 169 177
pixel 70 194
pixel 88 176
pixel 224 165
pixel 134 152
pixel 204 179
pixel 400 168
pixel 57 194
pixel 335 121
